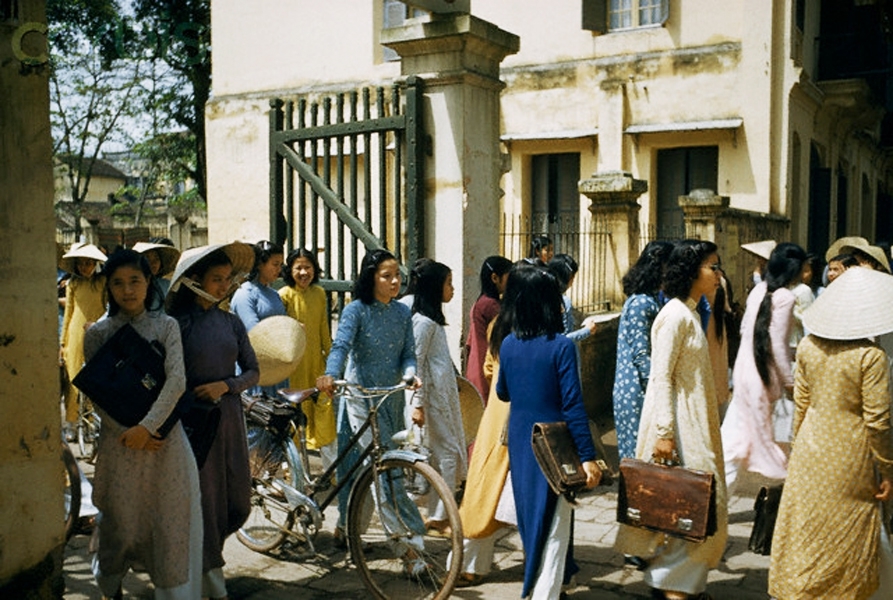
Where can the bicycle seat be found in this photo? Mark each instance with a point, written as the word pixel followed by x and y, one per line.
pixel 298 396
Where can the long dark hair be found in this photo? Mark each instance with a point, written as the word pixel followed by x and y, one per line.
pixel 536 303
pixel 784 266
pixel 563 267
pixel 428 299
pixel 131 258
pixel 646 276
pixel 184 298
pixel 684 265
pixel 493 265
pixel 417 267
pixel 364 286
pixel 263 251
pixel 290 260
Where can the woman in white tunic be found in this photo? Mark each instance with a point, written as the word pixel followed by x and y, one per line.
pixel 436 403
pixel 146 488
pixel 680 421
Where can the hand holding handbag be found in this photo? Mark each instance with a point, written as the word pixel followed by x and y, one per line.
pixel 668 499
pixel 556 454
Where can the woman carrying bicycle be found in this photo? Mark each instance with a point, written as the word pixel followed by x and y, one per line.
pixel 374 347
pixel 146 488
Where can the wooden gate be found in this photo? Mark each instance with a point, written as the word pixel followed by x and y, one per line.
pixel 346 175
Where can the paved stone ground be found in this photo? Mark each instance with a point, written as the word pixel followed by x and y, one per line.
pixel 742 575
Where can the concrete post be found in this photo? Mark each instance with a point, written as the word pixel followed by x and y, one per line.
pixel 701 209
pixel 458 58
pixel 615 209
pixel 31 526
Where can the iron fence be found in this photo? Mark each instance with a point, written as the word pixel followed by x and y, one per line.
pixel 583 238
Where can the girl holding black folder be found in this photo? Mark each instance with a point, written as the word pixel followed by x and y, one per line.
pixel 146 488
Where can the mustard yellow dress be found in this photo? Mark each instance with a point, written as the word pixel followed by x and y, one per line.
pixel 826 541
pixel 489 465
pixel 85 302
pixel 309 307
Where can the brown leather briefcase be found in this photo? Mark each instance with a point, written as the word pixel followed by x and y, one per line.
pixel 673 500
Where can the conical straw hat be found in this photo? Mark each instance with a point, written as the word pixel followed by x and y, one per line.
pixel 167 254
pixel 875 252
pixel 239 253
pixel 279 344
pixel 763 249
pixel 78 250
pixel 856 305
pixel 838 246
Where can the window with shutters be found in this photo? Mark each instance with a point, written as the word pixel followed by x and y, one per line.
pixel 601 16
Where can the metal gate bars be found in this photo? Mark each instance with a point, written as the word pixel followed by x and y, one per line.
pixel 341 177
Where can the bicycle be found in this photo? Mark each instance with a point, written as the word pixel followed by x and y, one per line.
pixel 288 500
pixel 87 428
pixel 72 490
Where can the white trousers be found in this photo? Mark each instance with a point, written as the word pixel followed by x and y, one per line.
pixel 673 570
pixel 551 570
pixel 477 554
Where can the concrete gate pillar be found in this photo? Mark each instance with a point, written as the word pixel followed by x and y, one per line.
pixel 701 209
pixel 615 209
pixel 458 56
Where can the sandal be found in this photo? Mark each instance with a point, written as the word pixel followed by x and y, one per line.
pixel 439 528
pixel 468 580
pixel 413 565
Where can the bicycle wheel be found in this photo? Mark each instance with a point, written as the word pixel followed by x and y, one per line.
pixel 72 492
pixel 386 520
pixel 271 519
pixel 87 428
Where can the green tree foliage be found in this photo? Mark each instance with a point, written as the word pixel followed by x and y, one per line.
pixel 127 70
pixel 182 41
pixel 92 91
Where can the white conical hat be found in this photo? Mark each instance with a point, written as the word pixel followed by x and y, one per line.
pixel 78 250
pixel 763 248
pixel 239 253
pixel 856 305
pixel 278 343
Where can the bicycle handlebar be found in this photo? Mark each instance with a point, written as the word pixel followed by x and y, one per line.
pixel 357 389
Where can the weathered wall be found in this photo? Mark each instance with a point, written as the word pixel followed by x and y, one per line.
pixel 30 461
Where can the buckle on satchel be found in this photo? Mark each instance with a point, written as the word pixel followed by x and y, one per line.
pixel 569 469
pixel 633 514
pixel 684 524
pixel 148 382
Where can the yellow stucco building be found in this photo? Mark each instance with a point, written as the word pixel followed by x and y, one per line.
pixel 777 106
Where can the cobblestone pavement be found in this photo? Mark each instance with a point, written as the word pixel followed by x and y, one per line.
pixel 741 575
